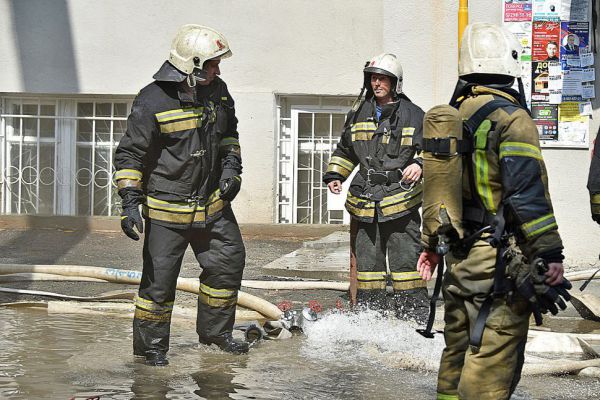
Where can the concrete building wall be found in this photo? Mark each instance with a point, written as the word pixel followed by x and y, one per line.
pixel 280 47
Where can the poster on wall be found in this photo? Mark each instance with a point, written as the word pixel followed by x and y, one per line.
pixel 545 117
pixel 574 39
pixel 517 10
pixel 540 90
pixel 546 10
pixel 574 10
pixel 557 66
pixel 573 128
pixel 545 36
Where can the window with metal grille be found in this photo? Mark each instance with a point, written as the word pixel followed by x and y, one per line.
pixel 56 154
pixel 308 134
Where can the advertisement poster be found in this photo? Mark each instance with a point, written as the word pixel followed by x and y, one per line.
pixel 573 128
pixel 575 10
pixel 546 10
pixel 517 10
pixel 546 38
pixel 539 81
pixel 574 39
pixel 546 119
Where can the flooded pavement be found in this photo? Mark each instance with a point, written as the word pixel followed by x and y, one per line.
pixel 361 356
pixel 341 356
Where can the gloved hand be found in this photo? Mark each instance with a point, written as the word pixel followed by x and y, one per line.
pixel 130 216
pixel 530 283
pixel 230 184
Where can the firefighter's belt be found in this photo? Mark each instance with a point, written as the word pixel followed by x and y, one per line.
pixel 374 177
pixel 447 146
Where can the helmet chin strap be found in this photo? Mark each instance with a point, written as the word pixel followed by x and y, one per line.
pixel 191 80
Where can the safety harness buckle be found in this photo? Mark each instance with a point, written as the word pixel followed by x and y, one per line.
pixel 377 177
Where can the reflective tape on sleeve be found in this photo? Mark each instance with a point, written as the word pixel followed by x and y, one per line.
pixel 539 226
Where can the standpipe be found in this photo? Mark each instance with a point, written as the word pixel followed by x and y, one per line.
pixel 463 19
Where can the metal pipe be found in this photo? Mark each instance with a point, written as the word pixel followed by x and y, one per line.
pixel 463 19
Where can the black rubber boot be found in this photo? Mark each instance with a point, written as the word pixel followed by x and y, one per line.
pixel 372 299
pixel 412 304
pixel 156 358
pixel 227 343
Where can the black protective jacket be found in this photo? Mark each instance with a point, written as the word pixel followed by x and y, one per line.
pixel 175 150
pixel 381 149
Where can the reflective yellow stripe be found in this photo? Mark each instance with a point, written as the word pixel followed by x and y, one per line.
pixel 370 285
pixel 595 208
pixel 128 174
pixel 406 141
pixel 181 125
pixel 229 141
pixel 129 183
pixel 482 167
pixel 341 166
pixel 386 139
pixel 519 149
pixel 172 205
pixel 442 396
pixel 408 131
pixel 341 161
pixel 179 114
pixel 360 207
pixel 151 316
pixel 216 302
pixel 363 126
pixel 224 98
pixel 405 276
pixel 370 275
pixel 220 293
pixel 338 170
pixel 483 181
pixel 362 136
pixel 539 226
pixel 149 305
pixel 173 217
pixel 403 196
pixel 407 285
pixel 595 198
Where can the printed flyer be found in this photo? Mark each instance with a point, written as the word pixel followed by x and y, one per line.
pixel 517 10
pixel 546 119
pixel 546 36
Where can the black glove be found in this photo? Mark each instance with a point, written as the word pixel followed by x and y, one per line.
pixel 230 184
pixel 530 283
pixel 130 216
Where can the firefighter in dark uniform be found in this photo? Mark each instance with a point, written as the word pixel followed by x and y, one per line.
pixel 594 180
pixel 504 176
pixel 180 160
pixel 382 138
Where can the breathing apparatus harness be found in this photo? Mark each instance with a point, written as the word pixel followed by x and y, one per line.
pixel 513 273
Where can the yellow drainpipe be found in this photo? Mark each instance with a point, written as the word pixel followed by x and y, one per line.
pixel 463 18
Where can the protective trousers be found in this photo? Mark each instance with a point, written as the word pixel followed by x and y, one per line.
pixel 220 251
pixel 494 370
pixel 399 241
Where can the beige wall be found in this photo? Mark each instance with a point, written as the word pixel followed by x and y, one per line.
pixel 283 47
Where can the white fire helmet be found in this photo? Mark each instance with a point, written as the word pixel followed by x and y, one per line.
pixel 489 49
pixel 385 64
pixel 195 44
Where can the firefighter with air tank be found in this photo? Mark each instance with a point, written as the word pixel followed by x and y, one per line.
pixel 504 253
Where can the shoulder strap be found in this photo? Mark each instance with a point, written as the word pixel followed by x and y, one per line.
pixel 471 125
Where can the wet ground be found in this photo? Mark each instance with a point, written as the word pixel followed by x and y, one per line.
pixel 63 356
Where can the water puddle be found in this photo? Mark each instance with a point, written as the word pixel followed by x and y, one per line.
pixel 361 356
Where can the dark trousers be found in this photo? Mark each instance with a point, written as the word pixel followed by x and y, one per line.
pixel 398 241
pixel 219 249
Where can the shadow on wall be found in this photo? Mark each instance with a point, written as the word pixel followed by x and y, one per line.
pixel 45 240
pixel 45 46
